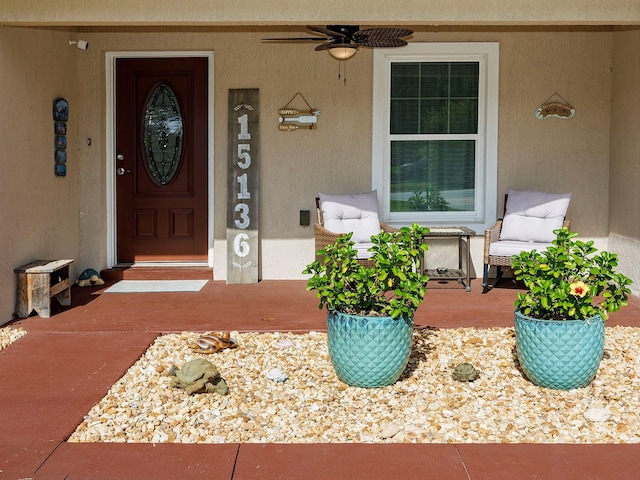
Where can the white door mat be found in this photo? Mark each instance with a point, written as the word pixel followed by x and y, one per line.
pixel 146 286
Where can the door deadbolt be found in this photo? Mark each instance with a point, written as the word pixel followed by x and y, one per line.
pixel 120 157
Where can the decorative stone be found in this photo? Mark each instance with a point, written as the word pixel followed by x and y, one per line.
pixel 282 344
pixel 8 335
pixel 277 375
pixel 597 414
pixel 314 406
pixel 444 361
pixel 390 430
pixel 465 372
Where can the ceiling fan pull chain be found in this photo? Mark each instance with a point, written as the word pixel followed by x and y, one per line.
pixel 340 76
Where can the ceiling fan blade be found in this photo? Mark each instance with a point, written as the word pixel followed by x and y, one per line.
pixel 325 46
pixel 295 39
pixel 390 43
pixel 326 31
pixel 381 37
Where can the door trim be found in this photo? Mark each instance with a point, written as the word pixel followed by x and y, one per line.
pixel 110 70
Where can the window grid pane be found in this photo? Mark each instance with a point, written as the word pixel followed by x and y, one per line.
pixel 444 94
pixel 433 176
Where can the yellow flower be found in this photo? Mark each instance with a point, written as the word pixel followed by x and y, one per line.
pixel 579 289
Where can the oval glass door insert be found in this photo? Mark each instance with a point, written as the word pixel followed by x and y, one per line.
pixel 162 131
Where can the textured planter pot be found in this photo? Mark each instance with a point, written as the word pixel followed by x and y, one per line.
pixel 368 351
pixel 559 354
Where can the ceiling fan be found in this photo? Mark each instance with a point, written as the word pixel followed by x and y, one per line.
pixel 343 41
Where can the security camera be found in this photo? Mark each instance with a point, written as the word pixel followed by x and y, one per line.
pixel 81 44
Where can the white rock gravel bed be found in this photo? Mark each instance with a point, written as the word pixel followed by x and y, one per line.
pixel 425 405
pixel 8 335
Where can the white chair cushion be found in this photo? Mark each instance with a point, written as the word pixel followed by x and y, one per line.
pixel 357 213
pixel 363 250
pixel 508 248
pixel 533 216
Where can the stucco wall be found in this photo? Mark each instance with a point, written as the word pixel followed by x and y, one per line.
pixel 554 155
pixel 247 12
pixel 39 213
pixel 557 155
pixel 625 138
pixel 624 198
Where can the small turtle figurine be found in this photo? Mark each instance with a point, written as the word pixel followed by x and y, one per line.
pixel 89 278
pixel 465 372
pixel 198 376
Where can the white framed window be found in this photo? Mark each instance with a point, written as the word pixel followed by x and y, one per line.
pixel 435 133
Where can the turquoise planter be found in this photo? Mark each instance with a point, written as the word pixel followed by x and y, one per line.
pixel 368 351
pixel 559 354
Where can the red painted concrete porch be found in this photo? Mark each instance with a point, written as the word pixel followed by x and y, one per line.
pixel 51 377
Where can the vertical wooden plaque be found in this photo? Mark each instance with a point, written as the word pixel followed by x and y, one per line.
pixel 242 185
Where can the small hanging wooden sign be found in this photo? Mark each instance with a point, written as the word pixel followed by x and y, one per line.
pixel 295 119
pixel 555 109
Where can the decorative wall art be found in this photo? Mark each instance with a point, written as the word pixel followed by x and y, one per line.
pixel 295 119
pixel 559 109
pixel 242 185
pixel 60 118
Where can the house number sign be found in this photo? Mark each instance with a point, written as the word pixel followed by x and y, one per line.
pixel 242 186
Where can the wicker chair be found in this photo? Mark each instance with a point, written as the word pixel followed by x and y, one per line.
pixel 324 237
pixel 530 219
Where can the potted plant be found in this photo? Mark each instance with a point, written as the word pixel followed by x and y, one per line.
pixel 559 321
pixel 371 304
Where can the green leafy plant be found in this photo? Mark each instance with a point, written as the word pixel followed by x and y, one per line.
pixel 428 200
pixel 394 286
pixel 569 280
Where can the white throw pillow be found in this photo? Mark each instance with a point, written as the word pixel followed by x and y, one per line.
pixel 533 216
pixel 357 213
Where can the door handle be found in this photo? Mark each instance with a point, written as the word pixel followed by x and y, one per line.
pixel 122 171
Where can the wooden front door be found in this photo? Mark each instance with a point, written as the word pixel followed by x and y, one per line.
pixel 161 159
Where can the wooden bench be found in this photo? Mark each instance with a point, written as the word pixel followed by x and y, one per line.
pixel 40 281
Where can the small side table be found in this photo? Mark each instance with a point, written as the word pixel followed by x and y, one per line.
pixel 463 234
pixel 38 282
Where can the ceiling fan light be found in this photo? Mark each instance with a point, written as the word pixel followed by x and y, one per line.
pixel 343 52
